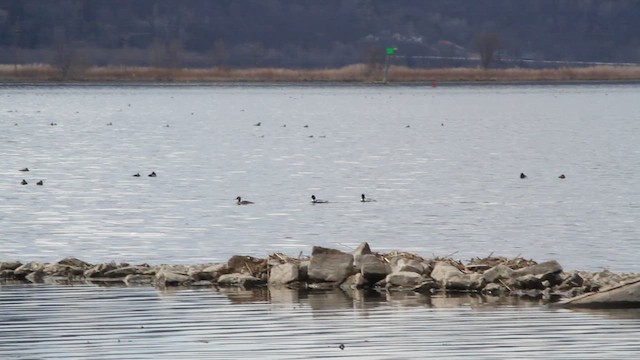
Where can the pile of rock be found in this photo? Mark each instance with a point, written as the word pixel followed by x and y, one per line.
pixel 331 268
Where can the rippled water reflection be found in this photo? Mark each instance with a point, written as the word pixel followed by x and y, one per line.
pixel 88 322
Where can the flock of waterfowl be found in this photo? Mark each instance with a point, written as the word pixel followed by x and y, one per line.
pixel 314 200
pixel 24 181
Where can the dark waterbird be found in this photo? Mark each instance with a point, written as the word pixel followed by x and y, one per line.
pixel 523 176
pixel 153 174
pixel 136 174
pixel 24 182
pixel 25 169
pixel 239 201
pixel 40 183
pixel 364 199
pixel 317 201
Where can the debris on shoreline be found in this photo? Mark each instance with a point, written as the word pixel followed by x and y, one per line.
pixel 363 269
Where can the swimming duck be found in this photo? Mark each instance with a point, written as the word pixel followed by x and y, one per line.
pixel 257 124
pixel 317 201
pixel 239 201
pixel 136 174
pixel 153 174
pixel 523 176
pixel 40 183
pixel 562 177
pixel 25 169
pixel 23 182
pixel 363 199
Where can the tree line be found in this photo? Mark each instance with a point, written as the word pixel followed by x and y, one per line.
pixel 315 34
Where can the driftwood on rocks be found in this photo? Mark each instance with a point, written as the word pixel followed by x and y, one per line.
pixel 330 268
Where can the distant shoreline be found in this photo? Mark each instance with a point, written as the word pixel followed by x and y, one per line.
pixel 356 75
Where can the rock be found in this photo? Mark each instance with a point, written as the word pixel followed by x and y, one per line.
pixel 63 270
pixel 330 265
pixel 404 279
pixel 6 274
pixel 76 263
pixel 215 268
pixel 355 281
pixel 498 272
pixel 237 279
pixel 283 274
pixel 464 282
pixel 373 269
pixel 442 272
pixel 246 265
pixel 100 269
pixel 362 249
pixel 529 282
pixel 26 269
pixel 122 272
pixel 399 264
pixel 626 295
pixel 548 267
pixel 9 265
pixel 451 278
pixel 166 277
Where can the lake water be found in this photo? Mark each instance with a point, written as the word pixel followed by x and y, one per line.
pixel 443 164
pixel 447 184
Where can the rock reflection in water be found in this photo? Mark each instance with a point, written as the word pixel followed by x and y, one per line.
pixel 115 322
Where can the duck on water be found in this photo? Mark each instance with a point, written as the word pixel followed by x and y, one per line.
pixel 239 201
pixel 364 199
pixel 317 201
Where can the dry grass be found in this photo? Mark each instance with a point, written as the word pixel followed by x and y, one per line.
pixel 352 73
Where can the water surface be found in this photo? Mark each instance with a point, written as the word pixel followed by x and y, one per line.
pixel 443 165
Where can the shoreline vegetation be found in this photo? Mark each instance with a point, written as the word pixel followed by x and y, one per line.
pixel 357 271
pixel 351 74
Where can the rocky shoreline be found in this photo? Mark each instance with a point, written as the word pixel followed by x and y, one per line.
pixel 363 269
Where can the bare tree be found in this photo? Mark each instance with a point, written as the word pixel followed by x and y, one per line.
pixel 487 44
pixel 374 59
pixel 65 55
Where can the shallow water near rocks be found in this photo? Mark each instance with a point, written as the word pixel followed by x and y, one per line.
pixel 443 165
pixel 59 322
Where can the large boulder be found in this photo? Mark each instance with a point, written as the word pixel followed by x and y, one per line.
pixel 77 263
pixel 404 279
pixel 28 268
pixel 622 296
pixel 362 249
pixel 498 272
pixel 547 267
pixel 246 265
pixel 373 269
pixel 399 264
pixel 451 278
pixel 283 274
pixel 443 271
pixel 100 269
pixel 330 265
pixel 63 270
pixel 10 265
